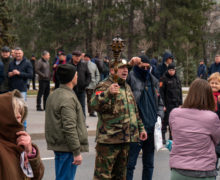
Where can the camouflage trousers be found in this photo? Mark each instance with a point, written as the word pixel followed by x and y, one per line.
pixel 111 161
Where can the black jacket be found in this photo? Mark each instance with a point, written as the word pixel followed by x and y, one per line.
pixel 214 68
pixel 84 76
pixel 202 71
pixel 4 87
pixel 162 68
pixel 99 64
pixel 171 91
pixel 1 72
pixel 26 72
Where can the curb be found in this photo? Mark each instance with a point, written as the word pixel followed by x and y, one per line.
pixel 40 136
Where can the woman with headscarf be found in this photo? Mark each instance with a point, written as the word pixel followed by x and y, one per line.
pixel 19 158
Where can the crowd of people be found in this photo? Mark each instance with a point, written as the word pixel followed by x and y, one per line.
pixel 203 72
pixel 129 97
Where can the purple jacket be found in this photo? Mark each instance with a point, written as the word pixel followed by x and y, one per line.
pixel 195 134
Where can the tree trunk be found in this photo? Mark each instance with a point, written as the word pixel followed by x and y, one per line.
pixel 204 51
pixel 131 30
pixel 89 33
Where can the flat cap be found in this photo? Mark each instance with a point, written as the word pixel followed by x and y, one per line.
pixel 6 49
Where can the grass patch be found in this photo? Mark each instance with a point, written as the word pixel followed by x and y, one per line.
pixel 32 92
pixel 185 92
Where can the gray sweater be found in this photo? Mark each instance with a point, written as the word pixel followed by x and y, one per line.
pixel 95 75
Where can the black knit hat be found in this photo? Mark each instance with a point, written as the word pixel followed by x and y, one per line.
pixel 144 59
pixel 171 66
pixel 66 73
pixel 87 55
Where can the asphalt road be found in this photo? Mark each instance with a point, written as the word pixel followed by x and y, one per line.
pixel 85 171
pixel 35 121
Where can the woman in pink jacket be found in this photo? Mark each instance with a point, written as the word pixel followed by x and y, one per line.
pixel 196 131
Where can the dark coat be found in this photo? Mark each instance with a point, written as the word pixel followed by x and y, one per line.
pixel 105 68
pixel 153 64
pixel 1 72
pixel 214 68
pixel 43 69
pixel 162 68
pixel 171 91
pixel 33 63
pixel 4 87
pixel 99 64
pixel 84 76
pixel 202 71
pixel 26 72
pixel 137 86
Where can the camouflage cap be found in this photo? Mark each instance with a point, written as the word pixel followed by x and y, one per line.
pixel 121 62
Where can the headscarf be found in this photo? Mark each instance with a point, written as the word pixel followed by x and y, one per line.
pixel 9 151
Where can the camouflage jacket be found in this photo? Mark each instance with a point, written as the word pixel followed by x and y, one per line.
pixel 118 119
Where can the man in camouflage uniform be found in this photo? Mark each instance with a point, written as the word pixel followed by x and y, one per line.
pixel 118 124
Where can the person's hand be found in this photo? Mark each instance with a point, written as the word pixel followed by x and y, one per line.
pixel 55 65
pixel 16 72
pixel 134 61
pixel 164 108
pixel 10 74
pixel 114 88
pixel 77 160
pixel 143 136
pixel 24 140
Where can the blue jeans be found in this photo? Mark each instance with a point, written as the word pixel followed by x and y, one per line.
pixel 24 95
pixel 147 158
pixel 63 166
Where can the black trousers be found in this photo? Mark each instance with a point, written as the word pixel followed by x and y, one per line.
pixel 33 81
pixel 165 121
pixel 44 90
pixel 82 98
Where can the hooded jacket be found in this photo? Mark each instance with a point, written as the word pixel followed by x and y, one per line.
pixel 138 84
pixel 162 68
pixel 9 152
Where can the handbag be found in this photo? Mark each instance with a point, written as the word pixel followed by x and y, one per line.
pixel 158 143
